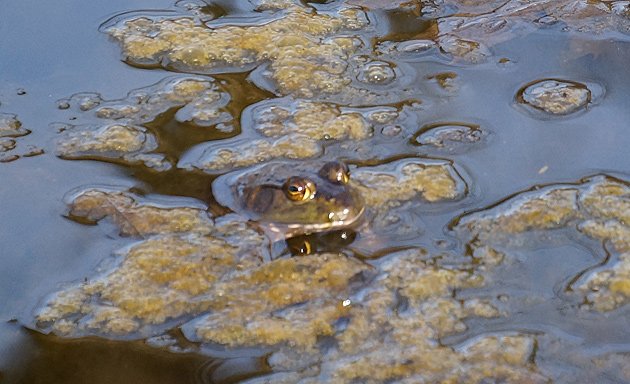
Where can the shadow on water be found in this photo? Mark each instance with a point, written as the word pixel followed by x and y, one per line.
pixel 92 360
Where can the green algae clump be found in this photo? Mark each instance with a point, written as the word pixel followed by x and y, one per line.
pixel 315 120
pixel 10 126
pixel 134 217
pixel 130 144
pixel 406 179
pixel 299 46
pixel 159 279
pixel 598 207
pixel 219 157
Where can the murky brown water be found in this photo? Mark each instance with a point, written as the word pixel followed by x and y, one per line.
pixel 475 131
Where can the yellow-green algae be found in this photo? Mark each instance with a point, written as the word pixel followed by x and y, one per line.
pixel 294 302
pixel 122 142
pixel 134 217
pixel 239 153
pixel 188 267
pixel 10 126
pixel 199 101
pixel 316 120
pixel 598 207
pixel 289 129
pixel 123 137
pixel 168 275
pixel 255 306
pixel 305 54
pixel 406 179
pixel 159 279
pixel 385 340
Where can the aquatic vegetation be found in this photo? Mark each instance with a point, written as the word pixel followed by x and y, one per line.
pixel 211 278
pixel 306 56
pixel 10 126
pixel 285 128
pixel 198 100
pixel 127 143
pixel 451 136
pixel 406 179
pixel 11 130
pixel 402 298
pixel 598 207
pixel 555 97
pixel 217 157
pixel 316 120
pixel 123 137
pixel 134 217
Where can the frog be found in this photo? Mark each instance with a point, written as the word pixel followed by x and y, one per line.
pixel 291 199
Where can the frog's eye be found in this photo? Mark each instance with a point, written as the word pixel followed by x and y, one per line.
pixel 299 189
pixel 335 171
pixel 300 246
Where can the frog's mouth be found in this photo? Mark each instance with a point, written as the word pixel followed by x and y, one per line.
pixel 295 229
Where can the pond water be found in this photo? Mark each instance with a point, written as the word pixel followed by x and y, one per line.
pixel 488 141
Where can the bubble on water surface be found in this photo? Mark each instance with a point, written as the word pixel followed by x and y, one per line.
pixel 32 150
pixel 391 130
pixel 555 97
pixel 377 73
pixel 466 50
pixel 7 158
pixel 415 46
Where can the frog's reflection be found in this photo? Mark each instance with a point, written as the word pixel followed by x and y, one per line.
pixel 331 241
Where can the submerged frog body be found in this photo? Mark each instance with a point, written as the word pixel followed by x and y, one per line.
pixel 290 199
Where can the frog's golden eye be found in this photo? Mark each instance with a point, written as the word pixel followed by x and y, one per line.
pixel 299 189
pixel 335 171
pixel 300 246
